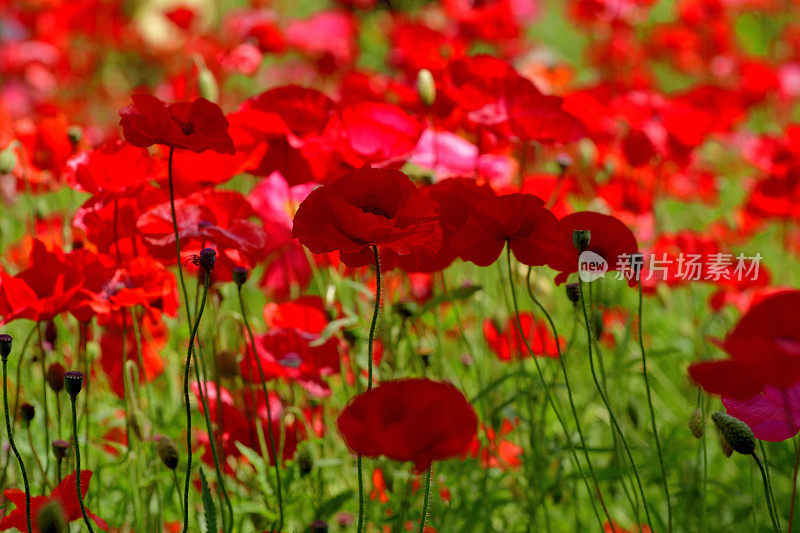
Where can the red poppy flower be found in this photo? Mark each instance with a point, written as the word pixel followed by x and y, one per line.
pixel 197 126
pixel 64 495
pixel 610 238
pixel 115 167
pixel 367 207
pixel 764 349
pixel 379 133
pixel 415 420
pixel 521 220
pixel 500 452
pixel 507 344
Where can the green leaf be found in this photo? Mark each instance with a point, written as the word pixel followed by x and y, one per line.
pixel 333 504
pixel 208 505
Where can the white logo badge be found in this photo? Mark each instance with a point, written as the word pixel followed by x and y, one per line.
pixel 591 266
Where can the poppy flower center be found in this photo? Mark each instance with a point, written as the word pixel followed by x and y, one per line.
pixel 375 210
pixel 186 127
pixel 291 360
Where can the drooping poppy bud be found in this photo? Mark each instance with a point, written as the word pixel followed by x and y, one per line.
pixel 227 364
pixel 696 423
pixel 73 382
pixel 168 452
pixel 305 461
pixel 736 433
pixel 573 293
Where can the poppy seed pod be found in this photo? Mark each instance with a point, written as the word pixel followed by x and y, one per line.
pixel 51 518
pixel 73 382
pixel 735 432
pixel 206 259
pixel 564 162
pixel 319 527
pixel 696 424
pixel 27 411
pixel 426 87
pixel 5 346
pixel 55 377
pixel 573 293
pixel 581 238
pixel 75 134
pixel 60 448
pixel 240 275
pixel 168 452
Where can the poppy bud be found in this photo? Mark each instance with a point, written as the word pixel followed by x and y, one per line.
pixel 74 133
pixel 573 293
pixel 168 452
pixel 581 238
pixel 8 160
pixel 240 275
pixel 73 382
pixel 60 448
pixel 227 364
pixel 55 377
pixel 51 518
pixel 5 346
pixel 426 87
pixel 404 309
pixel 736 433
pixel 319 527
pixel 696 423
pixel 206 259
pixel 27 411
pixel 207 83
pixel 305 461
pixel 139 424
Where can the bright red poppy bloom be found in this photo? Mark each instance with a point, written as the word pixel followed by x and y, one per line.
pixel 507 343
pixel 197 126
pixel 764 349
pixel 415 420
pixel 610 238
pixel 64 495
pixel 380 207
pixel 521 220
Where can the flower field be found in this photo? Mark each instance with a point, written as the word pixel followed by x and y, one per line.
pixel 400 265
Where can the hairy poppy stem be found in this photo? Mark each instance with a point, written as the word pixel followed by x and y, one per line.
pixel 78 463
pixel 767 492
pixel 794 483
pixel 607 405
pixel 10 431
pixel 188 404
pixel 375 311
pixel 569 395
pixel 269 409
pixel 543 381
pixel 652 411
pixel 426 499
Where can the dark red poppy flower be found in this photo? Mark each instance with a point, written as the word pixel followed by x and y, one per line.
pixel 610 238
pixel 416 420
pixel 521 220
pixel 197 126
pixel 763 349
pixel 380 207
pixel 64 495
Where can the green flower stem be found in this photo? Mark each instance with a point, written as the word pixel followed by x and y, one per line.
pixel 78 464
pixel 546 388
pixel 10 431
pixel 611 416
pixel 189 406
pixel 426 499
pixel 767 492
pixel 375 311
pixel 652 411
pixel 269 410
pixel 569 395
